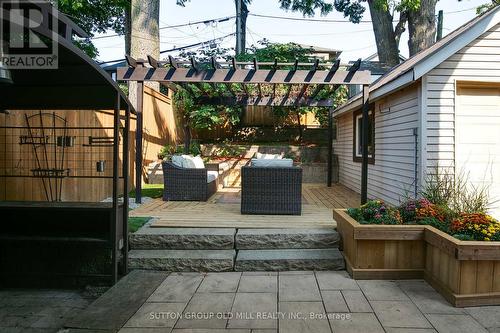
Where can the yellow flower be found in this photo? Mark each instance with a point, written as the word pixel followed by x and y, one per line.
pixel 486 239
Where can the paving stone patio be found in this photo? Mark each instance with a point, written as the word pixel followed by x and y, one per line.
pixel 258 302
pixel 39 311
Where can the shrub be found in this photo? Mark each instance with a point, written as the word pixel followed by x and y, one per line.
pixel 169 150
pixel 375 212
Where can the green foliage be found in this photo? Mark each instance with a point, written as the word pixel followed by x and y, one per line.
pixel 375 212
pixel 169 150
pixel 483 8
pixel 95 16
pixel 354 9
pixel 434 222
pixel 306 7
pixel 228 150
pixel 135 223
pixel 200 116
pixel 268 51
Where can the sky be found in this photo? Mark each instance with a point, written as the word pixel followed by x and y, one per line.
pixel 354 40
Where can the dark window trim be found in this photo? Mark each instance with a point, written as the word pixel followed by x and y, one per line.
pixel 358 159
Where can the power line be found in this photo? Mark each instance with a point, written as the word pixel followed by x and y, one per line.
pixel 335 20
pixel 178 48
pixel 218 20
pixel 306 19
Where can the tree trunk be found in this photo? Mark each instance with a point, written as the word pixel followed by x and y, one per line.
pixel 187 137
pixel 128 28
pixel 145 37
pixel 422 26
pixel 385 38
pixel 241 25
pixel 301 130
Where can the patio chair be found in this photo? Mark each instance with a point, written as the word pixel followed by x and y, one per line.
pixel 189 184
pixel 271 188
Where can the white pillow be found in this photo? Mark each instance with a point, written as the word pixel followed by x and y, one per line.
pixel 188 162
pixel 178 160
pixel 198 162
pixel 269 156
pixel 266 163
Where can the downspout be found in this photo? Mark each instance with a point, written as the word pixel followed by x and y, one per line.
pixel 415 134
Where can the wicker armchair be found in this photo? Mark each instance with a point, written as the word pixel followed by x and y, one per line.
pixel 186 184
pixel 271 190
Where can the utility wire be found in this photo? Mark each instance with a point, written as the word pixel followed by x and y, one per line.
pixel 178 48
pixel 335 20
pixel 218 20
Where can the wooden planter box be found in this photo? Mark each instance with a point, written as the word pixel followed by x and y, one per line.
pixel 381 251
pixel 465 273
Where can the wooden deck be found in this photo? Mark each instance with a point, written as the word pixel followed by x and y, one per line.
pixel 223 210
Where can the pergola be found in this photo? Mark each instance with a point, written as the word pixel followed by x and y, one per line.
pixel 257 82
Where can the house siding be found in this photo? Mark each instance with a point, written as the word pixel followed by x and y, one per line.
pixel 478 61
pixel 393 173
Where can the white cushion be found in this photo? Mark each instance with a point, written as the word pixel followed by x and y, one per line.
pixel 212 175
pixel 178 160
pixel 268 156
pixel 198 162
pixel 266 163
pixel 188 162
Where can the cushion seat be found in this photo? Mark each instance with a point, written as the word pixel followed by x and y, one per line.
pixel 212 175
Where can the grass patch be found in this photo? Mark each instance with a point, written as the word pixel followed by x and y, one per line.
pixel 150 190
pixel 134 223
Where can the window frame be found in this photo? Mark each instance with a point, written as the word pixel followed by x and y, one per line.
pixel 358 114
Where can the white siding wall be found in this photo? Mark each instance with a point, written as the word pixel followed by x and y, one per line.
pixel 393 172
pixel 478 61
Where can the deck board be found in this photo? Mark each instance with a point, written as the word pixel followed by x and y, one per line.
pixel 319 201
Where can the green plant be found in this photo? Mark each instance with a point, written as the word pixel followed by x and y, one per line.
pixel 434 222
pixel 375 212
pixel 444 188
pixel 169 150
pixel 134 223
pixel 166 151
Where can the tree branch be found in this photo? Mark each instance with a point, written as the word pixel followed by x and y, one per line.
pixel 401 26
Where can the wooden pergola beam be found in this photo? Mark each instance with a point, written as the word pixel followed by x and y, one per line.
pixel 265 101
pixel 243 76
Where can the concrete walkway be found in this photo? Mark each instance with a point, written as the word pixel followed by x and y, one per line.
pixel 290 302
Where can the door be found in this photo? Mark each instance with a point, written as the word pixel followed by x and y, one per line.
pixel 477 138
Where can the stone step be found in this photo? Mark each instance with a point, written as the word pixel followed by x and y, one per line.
pixel 182 260
pixel 317 238
pixel 289 260
pixel 183 238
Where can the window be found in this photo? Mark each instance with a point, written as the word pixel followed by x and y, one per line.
pixel 358 135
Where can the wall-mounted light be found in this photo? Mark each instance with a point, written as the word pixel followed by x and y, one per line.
pixel 100 165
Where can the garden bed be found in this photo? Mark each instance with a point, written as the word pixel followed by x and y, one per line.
pixel 466 273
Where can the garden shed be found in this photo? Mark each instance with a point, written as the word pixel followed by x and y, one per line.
pixel 439 108
pixel 64 142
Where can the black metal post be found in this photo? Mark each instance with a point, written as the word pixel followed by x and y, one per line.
pixel 125 171
pixel 330 148
pixel 364 145
pixel 138 143
pixel 116 153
